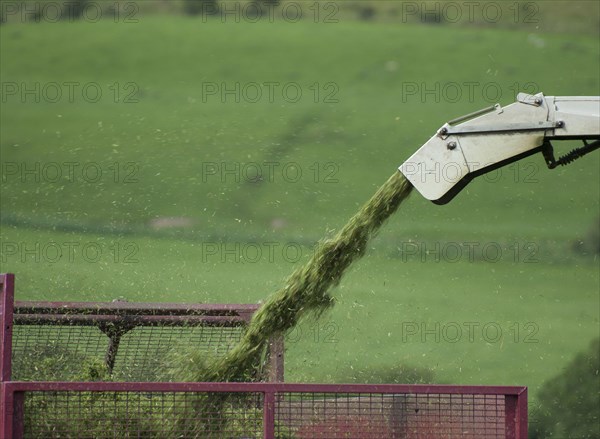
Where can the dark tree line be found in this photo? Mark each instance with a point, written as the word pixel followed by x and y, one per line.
pixel 71 10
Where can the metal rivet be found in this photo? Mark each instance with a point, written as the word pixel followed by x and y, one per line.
pixel 451 145
pixel 560 124
pixel 538 101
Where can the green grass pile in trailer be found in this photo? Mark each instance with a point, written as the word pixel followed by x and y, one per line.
pixel 176 136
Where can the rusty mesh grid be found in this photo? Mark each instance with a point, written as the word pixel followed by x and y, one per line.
pixel 71 353
pixel 402 416
pixel 143 415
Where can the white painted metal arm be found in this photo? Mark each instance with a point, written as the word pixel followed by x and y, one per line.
pixel 485 140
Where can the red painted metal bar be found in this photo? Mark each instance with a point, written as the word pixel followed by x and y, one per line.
pixel 145 320
pixel 6 322
pixel 6 414
pixel 269 415
pixel 516 415
pixel 3 416
pixel 522 419
pixel 7 288
pixel 510 409
pixel 25 307
pixel 45 386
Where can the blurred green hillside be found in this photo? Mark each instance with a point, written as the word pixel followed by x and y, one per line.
pixel 553 16
pixel 179 153
pixel 171 147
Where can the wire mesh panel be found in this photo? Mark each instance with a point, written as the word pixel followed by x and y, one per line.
pixel 61 353
pixel 119 340
pixel 160 343
pixel 262 410
pixel 455 416
pixel 56 353
pixel 143 415
pixel 123 341
pixel 405 416
pixel 336 415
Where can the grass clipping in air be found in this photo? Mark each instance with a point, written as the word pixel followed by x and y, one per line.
pixel 307 289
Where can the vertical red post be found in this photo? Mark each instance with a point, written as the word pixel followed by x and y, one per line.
pixel 522 419
pixel 7 291
pixel 515 410
pixel 6 321
pixel 269 414
pixel 4 419
pixel 510 416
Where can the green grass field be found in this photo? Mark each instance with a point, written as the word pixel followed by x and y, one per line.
pixel 171 145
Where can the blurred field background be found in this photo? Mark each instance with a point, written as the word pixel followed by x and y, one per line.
pixel 172 225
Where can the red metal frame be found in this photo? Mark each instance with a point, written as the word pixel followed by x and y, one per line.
pixel 89 313
pixel 12 393
pixel 161 308
pixel 117 318
pixel 7 288
pixel 6 320
pixel 515 397
pixel 264 387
